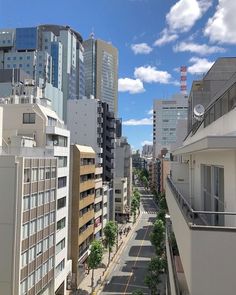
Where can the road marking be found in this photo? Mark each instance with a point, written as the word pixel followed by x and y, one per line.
pixel 127 285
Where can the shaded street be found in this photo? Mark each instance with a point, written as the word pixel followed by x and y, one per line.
pixel 130 268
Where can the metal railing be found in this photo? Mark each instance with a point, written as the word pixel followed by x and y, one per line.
pixel 26 151
pixel 201 217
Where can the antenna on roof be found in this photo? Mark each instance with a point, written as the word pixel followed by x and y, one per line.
pixel 92 35
pixel 198 112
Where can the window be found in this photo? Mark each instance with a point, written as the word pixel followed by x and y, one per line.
pixel 23 287
pixel 40 223
pixel 51 241
pixel 117 191
pixel 28 57
pixel 39 248
pixel 52 217
pixel 60 246
pixel 52 195
pixel 60 267
pixel 32 254
pixel 45 244
pixel 26 175
pixel 41 173
pixel 47 197
pixel 24 259
pixel 53 172
pixel 45 268
pixel 62 162
pixel 31 280
pixel 29 118
pixel 34 174
pixel 50 263
pixel 33 227
pixel 47 173
pixel 61 182
pixel 33 201
pixel 61 223
pixel 118 200
pixel 46 220
pixel 25 231
pixel 26 203
pixel 38 275
pixel 40 199
pixel 61 203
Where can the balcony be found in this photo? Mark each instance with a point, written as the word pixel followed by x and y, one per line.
pixel 98 213
pixel 86 217
pixel 87 169
pixel 84 235
pixel 86 201
pixel 86 185
pixel 207 251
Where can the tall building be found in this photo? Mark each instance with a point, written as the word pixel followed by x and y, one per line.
pixel 82 191
pixel 147 150
pixel 121 205
pixel 35 181
pixel 166 114
pixel 123 164
pixel 200 194
pixel 49 54
pixel 101 71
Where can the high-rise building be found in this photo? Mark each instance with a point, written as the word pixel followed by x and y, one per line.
pixel 123 164
pixel 49 54
pixel 200 194
pixel 166 114
pixel 35 198
pixel 82 191
pixel 101 71
pixel 147 150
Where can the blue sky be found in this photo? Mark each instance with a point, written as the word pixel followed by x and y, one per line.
pixel 154 38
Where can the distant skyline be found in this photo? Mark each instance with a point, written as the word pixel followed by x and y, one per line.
pixel 154 39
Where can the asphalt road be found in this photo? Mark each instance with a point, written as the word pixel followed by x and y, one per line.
pixel 131 267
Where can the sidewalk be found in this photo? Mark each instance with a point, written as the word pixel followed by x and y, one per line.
pixel 101 273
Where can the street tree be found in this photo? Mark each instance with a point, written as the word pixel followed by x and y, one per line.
pixel 134 206
pixel 110 233
pixel 157 236
pixel 156 268
pixel 95 258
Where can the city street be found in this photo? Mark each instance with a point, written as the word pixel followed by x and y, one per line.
pixel 130 268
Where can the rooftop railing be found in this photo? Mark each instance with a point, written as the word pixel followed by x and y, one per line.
pixel 26 151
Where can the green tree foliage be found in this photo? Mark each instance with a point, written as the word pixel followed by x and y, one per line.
pixel 135 203
pixel 137 292
pixel 156 267
pixel 157 236
pixel 110 233
pixel 95 257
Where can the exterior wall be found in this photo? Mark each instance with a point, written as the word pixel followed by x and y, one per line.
pixel 120 187
pixel 83 198
pixel 1 124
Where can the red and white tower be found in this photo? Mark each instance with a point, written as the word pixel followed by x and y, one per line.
pixel 183 80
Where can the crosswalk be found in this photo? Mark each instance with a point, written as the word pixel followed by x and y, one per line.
pixel 148 212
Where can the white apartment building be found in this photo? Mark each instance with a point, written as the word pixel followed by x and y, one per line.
pixel 166 114
pixel 121 204
pixel 200 196
pixel 32 129
pixel 123 164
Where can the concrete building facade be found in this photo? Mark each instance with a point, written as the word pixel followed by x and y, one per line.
pixel 35 130
pixel 121 204
pixel 200 196
pixel 101 71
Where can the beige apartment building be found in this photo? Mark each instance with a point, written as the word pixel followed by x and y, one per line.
pixel 201 199
pixel 82 191
pixel 34 165
pixel 121 203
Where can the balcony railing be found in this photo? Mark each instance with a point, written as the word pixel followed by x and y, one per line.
pixel 202 218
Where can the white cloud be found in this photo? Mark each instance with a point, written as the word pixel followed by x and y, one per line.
pixel 221 27
pixel 183 14
pixel 150 112
pixel 148 142
pixel 132 86
pixel 166 37
pixel 141 48
pixel 199 65
pixel 138 122
pixel 202 49
pixel 152 75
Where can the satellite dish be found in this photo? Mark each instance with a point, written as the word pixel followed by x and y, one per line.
pixel 198 112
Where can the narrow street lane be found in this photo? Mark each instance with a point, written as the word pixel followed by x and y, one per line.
pixel 128 273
